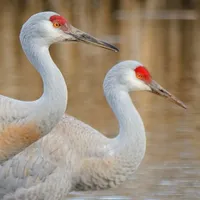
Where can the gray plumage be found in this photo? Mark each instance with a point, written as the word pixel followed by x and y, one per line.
pixel 83 157
pixel 74 156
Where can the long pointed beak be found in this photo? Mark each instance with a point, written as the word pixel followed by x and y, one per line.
pixel 86 38
pixel 157 89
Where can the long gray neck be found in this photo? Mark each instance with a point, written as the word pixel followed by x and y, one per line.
pixel 130 144
pixel 48 110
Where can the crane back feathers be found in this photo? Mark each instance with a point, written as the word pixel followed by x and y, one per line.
pixel 17 137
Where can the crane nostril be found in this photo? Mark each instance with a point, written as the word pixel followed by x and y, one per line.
pixel 162 90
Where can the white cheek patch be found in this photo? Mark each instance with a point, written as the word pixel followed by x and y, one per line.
pixel 138 84
pixel 50 33
pixel 146 87
pixel 49 29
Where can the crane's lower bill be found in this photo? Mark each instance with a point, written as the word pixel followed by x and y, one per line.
pixel 86 38
pixel 157 89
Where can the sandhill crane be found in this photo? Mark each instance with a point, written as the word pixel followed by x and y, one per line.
pixel 74 156
pixel 22 123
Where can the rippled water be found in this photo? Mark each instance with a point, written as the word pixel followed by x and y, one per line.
pixel 168 48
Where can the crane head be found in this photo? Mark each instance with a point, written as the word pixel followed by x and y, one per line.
pixel 133 76
pixel 49 27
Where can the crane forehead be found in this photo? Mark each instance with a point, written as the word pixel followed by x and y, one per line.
pixel 58 18
pixel 143 71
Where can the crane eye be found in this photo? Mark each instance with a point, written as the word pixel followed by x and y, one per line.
pixel 139 76
pixel 56 25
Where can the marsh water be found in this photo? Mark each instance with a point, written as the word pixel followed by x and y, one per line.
pixel 167 43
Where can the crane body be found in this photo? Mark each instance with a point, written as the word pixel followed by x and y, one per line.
pixel 24 122
pixel 75 156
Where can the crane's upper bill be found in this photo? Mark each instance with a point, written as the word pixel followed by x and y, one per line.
pixel 84 37
pixel 75 34
pixel 157 89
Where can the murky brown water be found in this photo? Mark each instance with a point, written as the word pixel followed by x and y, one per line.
pixel 169 48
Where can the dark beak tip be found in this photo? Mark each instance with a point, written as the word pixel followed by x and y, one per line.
pixel 110 47
pixel 181 104
pixel 116 50
pixel 185 107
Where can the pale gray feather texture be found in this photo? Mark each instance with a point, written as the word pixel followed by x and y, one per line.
pixel 80 156
pixel 45 112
